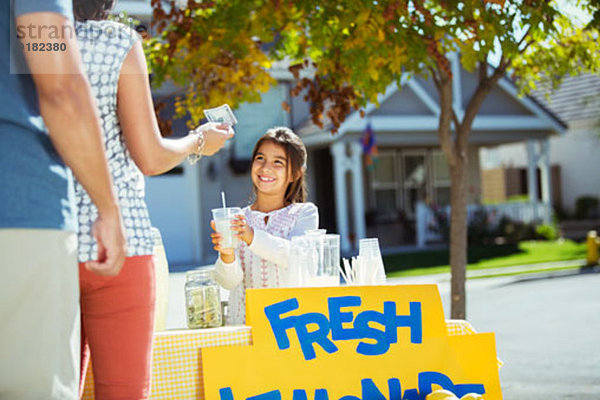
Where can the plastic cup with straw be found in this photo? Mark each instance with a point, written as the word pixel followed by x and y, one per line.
pixel 223 218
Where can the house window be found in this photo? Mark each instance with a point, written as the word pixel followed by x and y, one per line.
pixel 385 185
pixel 384 171
pixel 403 177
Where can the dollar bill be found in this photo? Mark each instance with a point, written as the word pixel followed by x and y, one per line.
pixel 221 114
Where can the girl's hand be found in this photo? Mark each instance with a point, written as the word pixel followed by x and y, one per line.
pixel 244 231
pixel 227 255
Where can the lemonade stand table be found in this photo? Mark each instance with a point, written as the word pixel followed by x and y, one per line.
pixel 176 362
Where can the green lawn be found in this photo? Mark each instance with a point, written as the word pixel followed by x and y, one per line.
pixel 482 257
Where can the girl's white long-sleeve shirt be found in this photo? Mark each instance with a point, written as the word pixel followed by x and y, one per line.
pixel 264 263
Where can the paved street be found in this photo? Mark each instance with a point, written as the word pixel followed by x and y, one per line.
pixel 547 333
pixel 547 330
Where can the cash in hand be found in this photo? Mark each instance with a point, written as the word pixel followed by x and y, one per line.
pixel 221 114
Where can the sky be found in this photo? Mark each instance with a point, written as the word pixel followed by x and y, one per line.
pixel 570 8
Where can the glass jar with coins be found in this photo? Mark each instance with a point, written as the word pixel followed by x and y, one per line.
pixel 202 299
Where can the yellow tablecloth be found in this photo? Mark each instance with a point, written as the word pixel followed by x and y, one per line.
pixel 176 361
pixel 177 366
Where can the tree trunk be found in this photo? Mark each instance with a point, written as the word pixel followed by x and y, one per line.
pixel 458 233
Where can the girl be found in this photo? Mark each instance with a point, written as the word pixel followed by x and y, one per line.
pixel 278 213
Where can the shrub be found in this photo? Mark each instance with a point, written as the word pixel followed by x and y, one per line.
pixel 546 232
pixel 479 229
pixel 515 231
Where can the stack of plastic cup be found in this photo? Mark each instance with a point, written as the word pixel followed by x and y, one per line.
pixel 331 258
pixel 371 270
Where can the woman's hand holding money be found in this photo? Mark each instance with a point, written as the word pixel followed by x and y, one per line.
pixel 215 136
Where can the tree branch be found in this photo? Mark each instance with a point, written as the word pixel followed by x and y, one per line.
pixel 502 65
pixel 483 66
pixel 529 43
pixel 499 71
pixel 436 80
pixel 475 102
pixel 455 119
pixel 484 87
pixel 446 115
pixel 523 38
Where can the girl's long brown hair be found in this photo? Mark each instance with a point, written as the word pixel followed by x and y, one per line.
pixel 295 152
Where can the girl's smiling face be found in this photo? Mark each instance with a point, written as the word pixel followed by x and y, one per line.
pixel 270 171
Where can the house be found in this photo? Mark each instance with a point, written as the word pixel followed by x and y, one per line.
pixel 354 200
pixel 385 201
pixel 575 156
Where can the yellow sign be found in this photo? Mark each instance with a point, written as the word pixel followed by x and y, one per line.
pixel 350 343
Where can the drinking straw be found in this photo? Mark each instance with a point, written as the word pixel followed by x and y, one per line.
pixel 343 274
pixel 359 268
pixel 348 270
pixel 355 267
pixel 223 199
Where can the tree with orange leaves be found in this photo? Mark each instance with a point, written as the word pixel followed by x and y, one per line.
pixel 220 51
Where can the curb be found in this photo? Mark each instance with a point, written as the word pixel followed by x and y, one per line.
pixel 581 270
pixel 527 268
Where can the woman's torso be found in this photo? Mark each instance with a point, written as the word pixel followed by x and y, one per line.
pixel 104 46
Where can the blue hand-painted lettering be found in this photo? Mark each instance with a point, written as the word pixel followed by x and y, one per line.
pixel 361 326
pixel 370 391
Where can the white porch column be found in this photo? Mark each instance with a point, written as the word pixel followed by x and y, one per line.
pixel 358 190
pixel 532 159
pixel 338 153
pixel 546 178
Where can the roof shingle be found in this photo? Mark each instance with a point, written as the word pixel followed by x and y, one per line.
pixel 577 98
